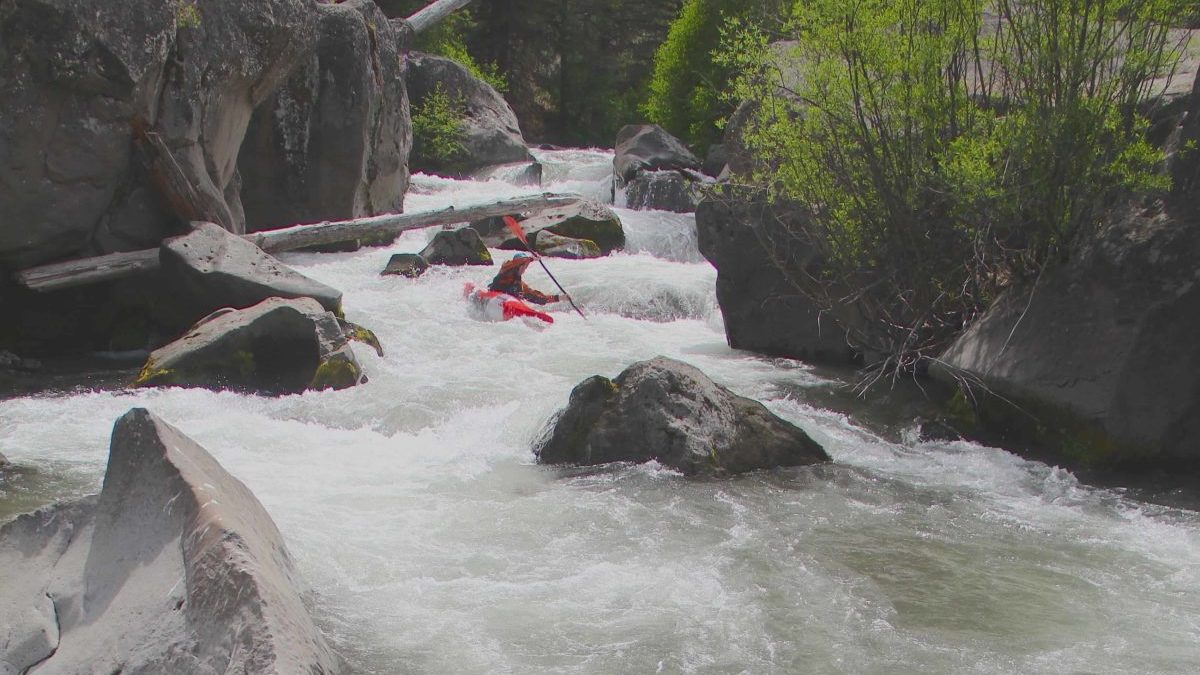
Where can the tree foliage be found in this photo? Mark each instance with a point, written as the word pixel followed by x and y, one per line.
pixel 686 94
pixel 943 148
pixel 437 131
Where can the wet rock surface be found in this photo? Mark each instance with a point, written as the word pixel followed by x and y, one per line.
pixel 411 265
pixel 175 567
pixel 669 411
pixel 456 247
pixel 210 269
pixel 278 346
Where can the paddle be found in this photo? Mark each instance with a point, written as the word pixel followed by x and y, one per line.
pixel 515 228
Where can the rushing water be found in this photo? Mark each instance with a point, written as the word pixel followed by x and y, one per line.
pixel 434 544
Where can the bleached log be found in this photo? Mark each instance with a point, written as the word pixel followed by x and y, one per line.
pixel 88 270
pixel 84 271
pixel 434 12
pixel 392 224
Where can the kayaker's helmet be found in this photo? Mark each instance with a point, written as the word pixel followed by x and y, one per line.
pixel 522 258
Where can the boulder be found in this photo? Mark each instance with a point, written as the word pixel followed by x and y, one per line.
pixel 456 247
pixel 175 567
pixel 663 191
pixel 278 346
pixel 654 170
pixel 211 268
pixel 758 266
pixel 74 74
pixel 411 265
pixel 669 411
pixel 554 246
pixel 648 147
pixel 1098 362
pixel 3 461
pixel 585 219
pixel 332 143
pixel 490 132
pixel 232 57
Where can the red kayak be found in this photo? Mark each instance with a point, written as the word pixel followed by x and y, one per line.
pixel 495 306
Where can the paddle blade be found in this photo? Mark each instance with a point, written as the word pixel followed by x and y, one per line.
pixel 515 228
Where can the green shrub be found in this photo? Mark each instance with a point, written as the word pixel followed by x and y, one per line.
pixel 448 39
pixel 687 90
pixel 437 131
pixel 938 158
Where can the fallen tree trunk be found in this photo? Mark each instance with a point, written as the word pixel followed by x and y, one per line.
pixel 85 271
pixel 57 276
pixel 392 224
pixel 433 13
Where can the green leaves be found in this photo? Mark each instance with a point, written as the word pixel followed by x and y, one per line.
pixel 437 130
pixel 947 147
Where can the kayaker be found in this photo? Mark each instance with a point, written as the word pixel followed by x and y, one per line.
pixel 509 281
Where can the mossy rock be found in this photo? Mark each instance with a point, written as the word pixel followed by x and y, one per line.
pixel 339 371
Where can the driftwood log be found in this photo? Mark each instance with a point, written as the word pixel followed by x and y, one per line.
pixel 83 271
pixel 434 12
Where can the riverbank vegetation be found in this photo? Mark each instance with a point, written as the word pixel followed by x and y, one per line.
pixel 940 150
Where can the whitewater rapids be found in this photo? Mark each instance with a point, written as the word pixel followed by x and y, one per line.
pixel 434 544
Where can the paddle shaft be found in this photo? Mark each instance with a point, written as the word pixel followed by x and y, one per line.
pixel 515 228
pixel 551 275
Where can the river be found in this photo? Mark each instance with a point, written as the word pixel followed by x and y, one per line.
pixel 433 543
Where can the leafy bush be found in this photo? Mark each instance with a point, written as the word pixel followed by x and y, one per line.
pixel 943 148
pixel 437 131
pixel 687 91
pixel 448 39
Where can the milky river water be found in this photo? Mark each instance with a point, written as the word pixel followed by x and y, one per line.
pixel 432 542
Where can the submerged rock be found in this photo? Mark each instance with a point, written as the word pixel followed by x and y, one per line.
pixel 554 246
pixel 175 567
pixel 671 412
pixel 211 268
pixel 278 346
pixel 411 265
pixel 515 173
pixel 456 247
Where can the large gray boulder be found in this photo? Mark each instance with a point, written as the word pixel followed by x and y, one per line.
pixel 174 568
pixel 275 347
pixel 671 412
pixel 654 170
pixel 79 75
pixel 760 268
pixel 332 143
pixel 211 268
pixel 490 131
pixel 1098 362
pixel 648 147
pixel 73 75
